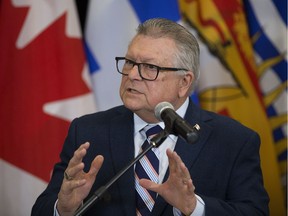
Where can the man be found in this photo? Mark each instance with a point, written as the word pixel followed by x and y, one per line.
pixel 219 174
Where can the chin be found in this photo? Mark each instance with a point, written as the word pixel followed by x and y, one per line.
pixel 131 104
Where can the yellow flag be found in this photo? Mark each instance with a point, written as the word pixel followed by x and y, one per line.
pixel 229 82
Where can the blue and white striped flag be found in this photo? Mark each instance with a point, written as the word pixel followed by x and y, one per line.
pixel 110 26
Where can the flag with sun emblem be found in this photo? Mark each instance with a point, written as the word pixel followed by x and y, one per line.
pixel 43 86
pixel 243 74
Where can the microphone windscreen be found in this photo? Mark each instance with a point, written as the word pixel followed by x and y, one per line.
pixel 160 108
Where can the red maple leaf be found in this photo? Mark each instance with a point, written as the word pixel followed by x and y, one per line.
pixel 47 69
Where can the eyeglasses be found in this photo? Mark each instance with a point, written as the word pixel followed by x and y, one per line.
pixel 146 71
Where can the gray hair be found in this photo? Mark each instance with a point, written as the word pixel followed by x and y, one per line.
pixel 186 43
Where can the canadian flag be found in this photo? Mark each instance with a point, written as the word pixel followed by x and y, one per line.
pixel 44 85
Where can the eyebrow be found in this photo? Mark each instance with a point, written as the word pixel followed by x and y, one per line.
pixel 143 60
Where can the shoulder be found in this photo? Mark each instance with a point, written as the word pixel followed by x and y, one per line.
pixel 228 124
pixel 232 135
pixel 103 117
pixel 221 126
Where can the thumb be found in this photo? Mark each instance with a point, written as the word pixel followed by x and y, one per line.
pixel 96 165
pixel 149 185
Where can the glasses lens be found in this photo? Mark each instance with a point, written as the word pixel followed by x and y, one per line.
pixel 148 71
pixel 120 66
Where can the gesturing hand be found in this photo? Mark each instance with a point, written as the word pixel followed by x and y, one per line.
pixel 178 190
pixel 77 184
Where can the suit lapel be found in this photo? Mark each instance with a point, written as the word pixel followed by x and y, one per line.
pixel 194 116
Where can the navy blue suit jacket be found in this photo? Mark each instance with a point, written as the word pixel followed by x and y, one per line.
pixel 224 164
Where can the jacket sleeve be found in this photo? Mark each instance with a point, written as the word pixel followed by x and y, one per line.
pixel 245 194
pixel 44 204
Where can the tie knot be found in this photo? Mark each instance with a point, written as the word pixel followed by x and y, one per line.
pixel 150 131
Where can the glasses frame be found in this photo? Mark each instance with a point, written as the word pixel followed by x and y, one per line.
pixel 139 71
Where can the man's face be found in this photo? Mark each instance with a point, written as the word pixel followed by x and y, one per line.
pixel 141 96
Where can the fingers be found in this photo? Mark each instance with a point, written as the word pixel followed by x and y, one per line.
pixel 179 172
pixel 79 154
pixel 71 172
pixel 69 186
pixel 172 164
pixel 184 172
pixel 76 165
pixel 77 184
pixel 176 165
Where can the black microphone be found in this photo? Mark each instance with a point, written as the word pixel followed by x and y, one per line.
pixel 176 125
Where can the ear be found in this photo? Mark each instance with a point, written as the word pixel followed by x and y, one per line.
pixel 185 83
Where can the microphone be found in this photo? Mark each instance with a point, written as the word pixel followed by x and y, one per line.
pixel 176 125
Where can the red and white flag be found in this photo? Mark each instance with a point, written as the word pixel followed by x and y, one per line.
pixel 44 85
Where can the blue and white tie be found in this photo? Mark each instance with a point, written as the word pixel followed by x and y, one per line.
pixel 148 168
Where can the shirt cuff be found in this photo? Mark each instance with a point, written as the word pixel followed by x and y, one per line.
pixel 56 213
pixel 198 211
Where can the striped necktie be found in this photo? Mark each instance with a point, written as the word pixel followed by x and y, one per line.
pixel 148 168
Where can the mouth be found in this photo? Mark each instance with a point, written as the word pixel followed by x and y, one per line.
pixel 134 91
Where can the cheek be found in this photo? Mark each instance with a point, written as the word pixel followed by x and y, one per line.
pixel 122 89
pixel 164 89
pixel 122 84
pixel 169 85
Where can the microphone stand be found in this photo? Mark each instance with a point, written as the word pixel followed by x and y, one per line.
pixel 156 141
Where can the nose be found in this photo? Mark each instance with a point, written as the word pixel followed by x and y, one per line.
pixel 134 73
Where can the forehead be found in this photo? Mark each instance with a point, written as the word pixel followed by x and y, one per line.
pixel 145 48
